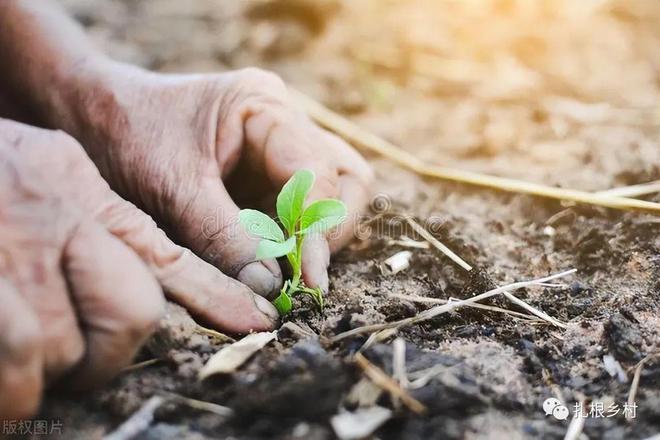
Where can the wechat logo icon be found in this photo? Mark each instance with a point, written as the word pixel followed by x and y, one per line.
pixel 553 407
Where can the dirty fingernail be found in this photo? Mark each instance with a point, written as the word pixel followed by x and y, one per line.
pixel 260 279
pixel 266 308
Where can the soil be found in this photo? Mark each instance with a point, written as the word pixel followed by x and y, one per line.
pixel 560 92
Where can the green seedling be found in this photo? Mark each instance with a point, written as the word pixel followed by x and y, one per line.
pixel 296 222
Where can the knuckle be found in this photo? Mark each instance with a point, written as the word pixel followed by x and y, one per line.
pixel 327 179
pixel 24 344
pixel 142 318
pixel 261 79
pixel 66 353
pixel 368 176
pixel 140 232
pixel 72 155
pixel 67 143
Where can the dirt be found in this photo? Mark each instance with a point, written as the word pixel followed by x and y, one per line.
pixel 559 92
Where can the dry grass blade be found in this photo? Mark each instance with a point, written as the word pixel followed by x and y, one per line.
pixel 444 308
pixel 229 358
pixel 574 431
pixel 534 310
pixel 380 378
pixel 405 241
pixel 437 244
pixel 429 300
pixel 377 337
pixel 140 365
pixel 399 362
pixel 201 405
pixel 641 189
pixel 421 378
pixel 220 337
pixel 138 422
pixel 366 140
pixel 634 386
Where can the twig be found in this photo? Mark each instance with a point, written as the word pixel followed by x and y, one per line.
pixel 378 377
pixel 214 334
pixel 500 310
pixel 534 310
pixel 138 422
pixel 429 300
pixel 634 386
pixel 367 140
pixel 201 405
pixel 576 426
pixel 399 362
pixel 140 365
pixel 632 190
pixel 422 377
pixel 405 241
pixel 436 243
pixel 377 337
pixel 444 308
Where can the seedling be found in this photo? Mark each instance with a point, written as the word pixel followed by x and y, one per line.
pixel 286 239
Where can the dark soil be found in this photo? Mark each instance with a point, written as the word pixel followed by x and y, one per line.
pixel 560 92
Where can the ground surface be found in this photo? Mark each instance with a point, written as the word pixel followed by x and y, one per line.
pixel 560 92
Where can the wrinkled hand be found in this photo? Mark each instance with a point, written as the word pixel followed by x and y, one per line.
pixel 184 147
pixel 75 300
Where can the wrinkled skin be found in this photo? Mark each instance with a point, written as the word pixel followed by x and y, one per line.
pixel 83 263
pixel 79 272
pixel 169 143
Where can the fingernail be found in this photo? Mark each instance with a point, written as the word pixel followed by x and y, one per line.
pixel 267 308
pixel 260 279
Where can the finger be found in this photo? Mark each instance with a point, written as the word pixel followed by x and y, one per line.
pixel 315 262
pixel 195 284
pixel 340 173
pixel 119 302
pixel 224 303
pixel 210 227
pixel 42 285
pixel 348 160
pixel 354 183
pixel 289 140
pixel 293 142
pixel 21 356
pixel 185 278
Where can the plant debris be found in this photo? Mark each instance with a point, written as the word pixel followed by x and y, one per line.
pixel 231 357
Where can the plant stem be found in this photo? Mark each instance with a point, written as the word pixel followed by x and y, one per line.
pixel 297 266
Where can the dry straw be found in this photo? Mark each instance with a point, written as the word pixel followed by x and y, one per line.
pixel 369 141
pixel 453 305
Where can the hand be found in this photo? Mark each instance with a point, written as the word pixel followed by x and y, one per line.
pixel 76 300
pixel 168 142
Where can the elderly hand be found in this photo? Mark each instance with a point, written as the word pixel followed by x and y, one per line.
pixel 182 147
pixel 76 299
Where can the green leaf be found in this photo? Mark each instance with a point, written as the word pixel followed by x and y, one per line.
pixel 283 303
pixel 259 224
pixel 273 249
pixel 291 199
pixel 322 215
